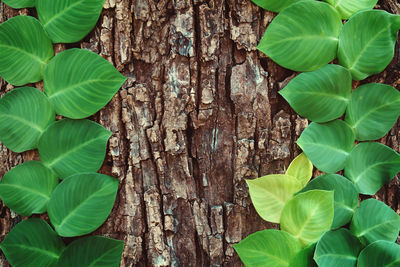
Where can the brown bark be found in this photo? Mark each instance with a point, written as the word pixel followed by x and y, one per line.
pixel 199 114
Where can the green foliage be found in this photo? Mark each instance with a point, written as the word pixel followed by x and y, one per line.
pixel 304 258
pixel 19 3
pixel 274 5
pixel 347 8
pixel 301 168
pixel 380 253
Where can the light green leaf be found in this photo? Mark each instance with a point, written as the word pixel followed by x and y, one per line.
pixel 73 146
pixel 380 253
pixel 374 221
pixel 304 258
pixel 308 215
pixel 27 188
pixel 347 8
pixel 303 37
pixel 92 251
pixel 371 165
pixel 373 110
pixel 68 21
pixel 320 95
pixel 301 168
pixel 20 127
pixel 268 248
pixel 32 243
pixel 274 5
pixel 337 248
pixel 327 145
pixel 270 193
pixel 346 196
pixel 366 42
pixel 81 203
pixel 19 3
pixel 24 50
pixel 92 82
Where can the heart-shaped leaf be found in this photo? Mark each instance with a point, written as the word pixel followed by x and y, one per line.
pixel 92 251
pixel 274 5
pixel 308 215
pixel 27 188
pixel 374 221
pixel 81 203
pixel 366 42
pixel 346 196
pixel 327 145
pixel 380 253
pixel 68 21
pixel 24 50
pixel 92 82
pixel 270 193
pixel 20 127
pixel 301 168
pixel 371 165
pixel 337 248
pixel 19 3
pixel 320 95
pixel 268 248
pixel 304 258
pixel 32 243
pixel 347 8
pixel 303 37
pixel 373 110
pixel 73 146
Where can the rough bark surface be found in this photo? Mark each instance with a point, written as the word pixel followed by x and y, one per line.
pixel 199 114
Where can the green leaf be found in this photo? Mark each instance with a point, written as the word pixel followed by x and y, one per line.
pixel 308 215
pixel 20 128
pixel 274 5
pixel 380 253
pixel 24 50
pixel 370 166
pixel 337 248
pixel 373 110
pixel 81 203
pixel 267 248
pixel 19 3
pixel 374 221
pixel 366 42
pixel 73 146
pixel 68 21
pixel 327 145
pixel 92 251
pixel 301 168
pixel 346 196
pixel 347 8
pixel 304 258
pixel 92 82
pixel 320 95
pixel 270 193
pixel 27 188
pixel 303 37
pixel 32 243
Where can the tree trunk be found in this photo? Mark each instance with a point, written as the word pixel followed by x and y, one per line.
pixel 198 115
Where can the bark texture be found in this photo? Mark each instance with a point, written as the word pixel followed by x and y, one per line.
pixel 199 114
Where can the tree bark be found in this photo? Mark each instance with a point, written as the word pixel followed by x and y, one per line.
pixel 199 114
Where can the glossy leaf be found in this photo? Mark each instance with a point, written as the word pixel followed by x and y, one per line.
pixel 20 127
pixel 373 110
pixel 327 145
pixel 301 168
pixel 380 253
pixel 24 50
pixel 270 193
pixel 27 188
pixel 371 165
pixel 337 248
pixel 32 243
pixel 19 3
pixel 73 146
pixel 374 221
pixel 320 95
pixel 267 248
pixel 303 37
pixel 68 21
pixel 366 42
pixel 274 5
pixel 304 258
pixel 92 251
pixel 346 196
pixel 81 203
pixel 92 82
pixel 308 215
pixel 347 8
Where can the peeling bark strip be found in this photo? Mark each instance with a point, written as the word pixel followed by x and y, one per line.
pixel 199 114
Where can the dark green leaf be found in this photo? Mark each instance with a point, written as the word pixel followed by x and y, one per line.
pixel 380 253
pixel 19 3
pixel 304 258
pixel 347 8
